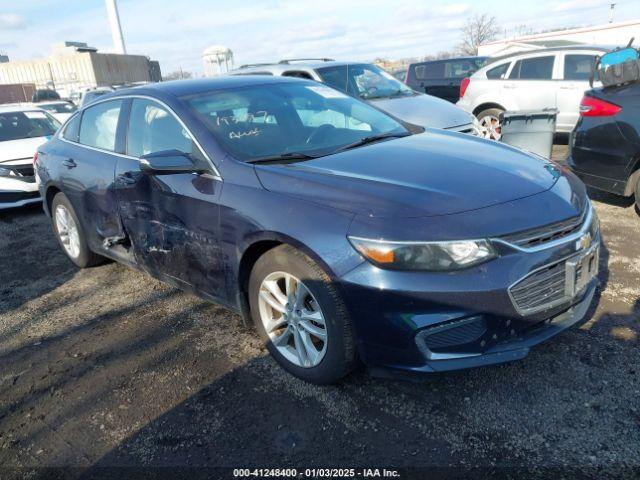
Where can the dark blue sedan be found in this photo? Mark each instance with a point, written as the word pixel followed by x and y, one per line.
pixel 342 234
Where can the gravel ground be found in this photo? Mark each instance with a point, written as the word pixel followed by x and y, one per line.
pixel 107 367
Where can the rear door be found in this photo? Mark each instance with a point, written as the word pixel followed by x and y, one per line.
pixel 171 220
pixel 575 70
pixel 87 161
pixel 530 84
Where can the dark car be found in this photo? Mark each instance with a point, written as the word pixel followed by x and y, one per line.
pixel 339 234
pixel 442 78
pixel 605 145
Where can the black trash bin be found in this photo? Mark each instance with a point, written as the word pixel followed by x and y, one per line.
pixel 530 130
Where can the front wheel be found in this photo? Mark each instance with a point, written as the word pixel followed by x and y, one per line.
pixel 301 316
pixel 489 123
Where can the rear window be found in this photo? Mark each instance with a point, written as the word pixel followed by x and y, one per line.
pixel 538 68
pixel 18 125
pixel 99 125
pixel 578 67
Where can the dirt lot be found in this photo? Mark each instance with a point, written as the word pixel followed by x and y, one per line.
pixel 106 367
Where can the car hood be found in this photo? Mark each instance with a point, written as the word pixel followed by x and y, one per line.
pixel 433 173
pixel 425 111
pixel 21 149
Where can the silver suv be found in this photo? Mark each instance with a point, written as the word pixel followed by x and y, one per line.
pixel 374 85
pixel 534 80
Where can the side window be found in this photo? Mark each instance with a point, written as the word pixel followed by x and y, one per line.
pixel 154 129
pixel 458 69
pixel 99 125
pixel 71 129
pixel 430 71
pixel 297 74
pixel 335 77
pixel 578 67
pixel 538 68
pixel 497 73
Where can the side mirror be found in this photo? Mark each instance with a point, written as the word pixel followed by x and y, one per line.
pixel 168 162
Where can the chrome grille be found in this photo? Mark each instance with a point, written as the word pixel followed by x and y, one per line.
pixel 540 290
pixel 540 235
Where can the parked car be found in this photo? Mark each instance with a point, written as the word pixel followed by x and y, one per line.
pixel 45 94
pixel 23 128
pixel 90 95
pixel 442 78
pixel 413 252
pixel 548 78
pixel 374 85
pixel 59 110
pixel 605 146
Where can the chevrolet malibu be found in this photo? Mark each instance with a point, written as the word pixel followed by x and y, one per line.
pixel 343 236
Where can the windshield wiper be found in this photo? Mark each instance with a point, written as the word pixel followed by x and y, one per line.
pixel 284 157
pixel 371 139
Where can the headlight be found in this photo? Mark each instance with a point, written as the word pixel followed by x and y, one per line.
pixel 433 256
pixel 5 172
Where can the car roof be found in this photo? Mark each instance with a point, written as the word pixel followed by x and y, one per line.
pixel 17 107
pixel 181 88
pixel 566 48
pixel 292 65
pixel 468 57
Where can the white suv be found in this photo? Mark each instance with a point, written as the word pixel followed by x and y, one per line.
pixel 535 80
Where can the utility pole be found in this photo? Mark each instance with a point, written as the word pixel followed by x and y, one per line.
pixel 116 29
pixel 612 7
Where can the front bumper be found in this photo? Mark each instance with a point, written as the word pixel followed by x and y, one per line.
pixel 18 191
pixel 431 322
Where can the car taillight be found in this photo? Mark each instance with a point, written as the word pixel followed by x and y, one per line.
pixel 463 86
pixel 594 107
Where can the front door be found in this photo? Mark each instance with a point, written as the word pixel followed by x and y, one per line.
pixel 575 81
pixel 172 220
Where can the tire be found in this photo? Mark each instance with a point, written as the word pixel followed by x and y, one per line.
pixel 637 193
pixel 77 251
pixel 490 130
pixel 326 362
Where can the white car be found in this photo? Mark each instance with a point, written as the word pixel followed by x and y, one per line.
pixel 23 128
pixel 60 110
pixel 550 78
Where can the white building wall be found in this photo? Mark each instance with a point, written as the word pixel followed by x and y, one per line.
pixel 615 34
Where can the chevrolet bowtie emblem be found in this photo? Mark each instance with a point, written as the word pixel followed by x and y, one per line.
pixel 584 242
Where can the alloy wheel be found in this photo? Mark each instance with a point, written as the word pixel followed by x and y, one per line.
pixel 67 231
pixel 490 127
pixel 293 320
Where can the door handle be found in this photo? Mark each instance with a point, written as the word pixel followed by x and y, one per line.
pixel 509 85
pixel 568 87
pixel 69 163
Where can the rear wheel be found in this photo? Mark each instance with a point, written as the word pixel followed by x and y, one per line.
pixel 301 316
pixel 489 123
pixel 70 234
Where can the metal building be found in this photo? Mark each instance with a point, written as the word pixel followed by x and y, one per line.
pixel 74 67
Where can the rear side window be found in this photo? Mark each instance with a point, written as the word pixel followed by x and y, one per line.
pixel 297 74
pixel 430 71
pixel 578 67
pixel 152 128
pixel 496 73
pixel 99 125
pixel 71 129
pixel 538 68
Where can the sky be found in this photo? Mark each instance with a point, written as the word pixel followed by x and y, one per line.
pixel 177 32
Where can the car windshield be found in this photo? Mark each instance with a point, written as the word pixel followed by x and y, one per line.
pixel 279 119
pixel 30 124
pixel 365 81
pixel 59 107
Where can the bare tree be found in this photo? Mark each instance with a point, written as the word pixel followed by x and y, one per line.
pixel 478 29
pixel 177 75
